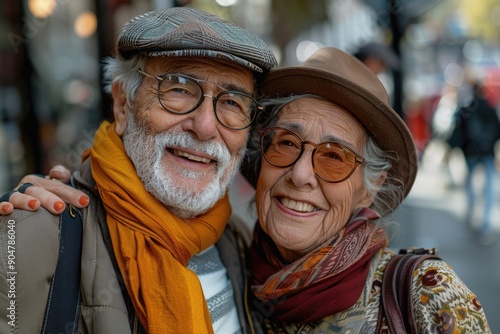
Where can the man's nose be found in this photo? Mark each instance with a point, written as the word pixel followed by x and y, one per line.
pixel 202 120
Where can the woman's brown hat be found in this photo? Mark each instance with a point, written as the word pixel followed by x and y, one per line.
pixel 342 79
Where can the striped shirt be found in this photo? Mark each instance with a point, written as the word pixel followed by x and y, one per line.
pixel 217 289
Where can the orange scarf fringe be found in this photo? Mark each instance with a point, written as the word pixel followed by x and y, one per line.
pixel 151 245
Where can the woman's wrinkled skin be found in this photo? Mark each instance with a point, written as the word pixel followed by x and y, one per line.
pixel 298 210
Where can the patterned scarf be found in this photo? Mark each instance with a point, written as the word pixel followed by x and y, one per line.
pixel 151 245
pixel 327 280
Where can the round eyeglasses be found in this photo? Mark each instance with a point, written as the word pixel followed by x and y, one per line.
pixel 181 94
pixel 332 162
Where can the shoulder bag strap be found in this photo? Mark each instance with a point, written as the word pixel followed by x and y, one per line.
pixel 396 304
pixel 63 303
pixel 389 303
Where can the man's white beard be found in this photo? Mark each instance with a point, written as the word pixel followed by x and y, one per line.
pixel 146 149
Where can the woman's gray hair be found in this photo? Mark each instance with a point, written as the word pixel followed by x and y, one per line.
pixel 387 196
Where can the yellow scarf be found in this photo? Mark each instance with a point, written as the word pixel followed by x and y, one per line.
pixel 151 245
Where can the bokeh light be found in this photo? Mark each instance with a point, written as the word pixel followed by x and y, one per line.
pixel 306 48
pixel 85 24
pixel 42 8
pixel 454 75
pixel 226 3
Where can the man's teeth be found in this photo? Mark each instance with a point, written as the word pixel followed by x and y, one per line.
pixel 191 157
pixel 297 206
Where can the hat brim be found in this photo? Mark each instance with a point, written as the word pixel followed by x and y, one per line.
pixel 206 53
pixel 387 128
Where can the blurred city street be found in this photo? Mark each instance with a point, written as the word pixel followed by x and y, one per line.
pixel 433 216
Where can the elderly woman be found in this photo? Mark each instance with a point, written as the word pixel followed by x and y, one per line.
pixel 330 160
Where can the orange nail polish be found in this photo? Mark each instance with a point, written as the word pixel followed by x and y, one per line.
pixel 58 205
pixel 84 200
pixel 32 203
pixel 5 207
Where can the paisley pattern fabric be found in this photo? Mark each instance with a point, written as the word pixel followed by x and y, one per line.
pixel 326 280
pixel 442 303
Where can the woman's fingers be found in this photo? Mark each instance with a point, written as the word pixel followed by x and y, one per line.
pixel 17 199
pixel 53 194
pixel 35 191
pixel 6 208
pixel 60 173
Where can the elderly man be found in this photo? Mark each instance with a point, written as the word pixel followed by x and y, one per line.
pixel 183 86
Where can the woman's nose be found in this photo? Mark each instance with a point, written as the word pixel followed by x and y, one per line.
pixel 302 172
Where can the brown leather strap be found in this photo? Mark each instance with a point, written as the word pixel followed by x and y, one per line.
pixel 389 301
pixel 396 304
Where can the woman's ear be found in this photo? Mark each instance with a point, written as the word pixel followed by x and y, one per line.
pixel 119 107
pixel 367 199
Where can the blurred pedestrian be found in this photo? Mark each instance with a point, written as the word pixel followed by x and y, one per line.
pixel 477 129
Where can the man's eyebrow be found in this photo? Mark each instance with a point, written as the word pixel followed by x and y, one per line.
pixel 226 85
pixel 233 87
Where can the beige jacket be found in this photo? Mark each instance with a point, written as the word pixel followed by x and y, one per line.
pixel 103 306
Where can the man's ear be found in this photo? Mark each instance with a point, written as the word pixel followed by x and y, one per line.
pixel 119 107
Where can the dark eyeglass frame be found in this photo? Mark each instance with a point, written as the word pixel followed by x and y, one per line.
pixel 358 159
pixel 161 78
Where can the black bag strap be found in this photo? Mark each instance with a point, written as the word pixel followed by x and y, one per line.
pixel 396 299
pixel 135 324
pixel 63 303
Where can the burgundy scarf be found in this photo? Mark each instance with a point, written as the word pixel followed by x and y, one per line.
pixel 328 280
